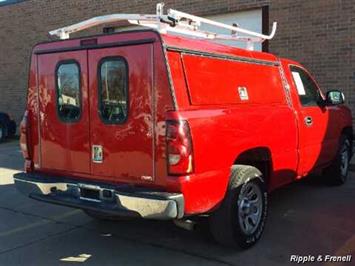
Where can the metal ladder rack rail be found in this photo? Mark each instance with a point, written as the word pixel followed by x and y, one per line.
pixel 173 22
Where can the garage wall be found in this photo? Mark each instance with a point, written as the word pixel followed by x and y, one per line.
pixel 318 33
pixel 321 35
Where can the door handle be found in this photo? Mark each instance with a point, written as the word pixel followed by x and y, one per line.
pixel 308 121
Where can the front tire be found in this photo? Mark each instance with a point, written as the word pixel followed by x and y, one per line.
pixel 240 220
pixel 337 172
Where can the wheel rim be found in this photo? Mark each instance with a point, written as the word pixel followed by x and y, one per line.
pixel 250 208
pixel 344 159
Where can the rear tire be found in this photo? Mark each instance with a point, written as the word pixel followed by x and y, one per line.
pixel 241 218
pixel 337 173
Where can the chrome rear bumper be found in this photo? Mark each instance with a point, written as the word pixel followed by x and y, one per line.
pixel 105 198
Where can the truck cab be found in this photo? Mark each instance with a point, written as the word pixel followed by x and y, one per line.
pixel 323 119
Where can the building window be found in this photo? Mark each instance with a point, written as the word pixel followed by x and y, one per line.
pixel 9 2
pixel 113 90
pixel 68 91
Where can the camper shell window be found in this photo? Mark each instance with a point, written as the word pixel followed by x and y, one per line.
pixel 68 90
pixel 113 90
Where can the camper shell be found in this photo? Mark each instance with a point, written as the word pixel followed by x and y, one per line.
pixel 166 82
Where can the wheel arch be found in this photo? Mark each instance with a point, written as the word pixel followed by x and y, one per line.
pixel 258 157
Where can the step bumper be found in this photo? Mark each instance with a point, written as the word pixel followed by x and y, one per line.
pixel 120 200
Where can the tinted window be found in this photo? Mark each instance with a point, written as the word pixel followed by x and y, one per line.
pixel 113 90
pixel 68 91
pixel 307 90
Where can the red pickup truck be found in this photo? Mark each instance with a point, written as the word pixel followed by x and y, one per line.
pixel 158 126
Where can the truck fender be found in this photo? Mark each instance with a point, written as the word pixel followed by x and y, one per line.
pixel 238 171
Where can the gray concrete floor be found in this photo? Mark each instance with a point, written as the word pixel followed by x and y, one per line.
pixel 305 218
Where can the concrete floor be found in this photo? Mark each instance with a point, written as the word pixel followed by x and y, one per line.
pixel 305 218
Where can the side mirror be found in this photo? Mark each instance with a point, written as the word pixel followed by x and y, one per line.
pixel 335 97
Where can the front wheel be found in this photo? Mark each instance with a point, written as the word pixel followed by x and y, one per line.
pixel 337 172
pixel 240 220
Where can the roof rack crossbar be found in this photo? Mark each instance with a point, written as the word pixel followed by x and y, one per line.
pixel 173 22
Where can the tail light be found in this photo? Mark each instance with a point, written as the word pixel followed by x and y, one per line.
pixel 24 142
pixel 179 147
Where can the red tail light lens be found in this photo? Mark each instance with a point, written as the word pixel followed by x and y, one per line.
pixel 24 131
pixel 179 147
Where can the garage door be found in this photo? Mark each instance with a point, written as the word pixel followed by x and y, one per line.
pixel 251 20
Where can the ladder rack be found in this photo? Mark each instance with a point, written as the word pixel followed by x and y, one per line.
pixel 173 22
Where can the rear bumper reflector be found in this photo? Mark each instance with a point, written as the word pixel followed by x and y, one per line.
pixel 105 198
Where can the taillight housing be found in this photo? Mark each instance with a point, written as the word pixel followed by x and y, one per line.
pixel 179 147
pixel 24 142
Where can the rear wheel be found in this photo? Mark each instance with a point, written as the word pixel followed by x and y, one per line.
pixel 337 173
pixel 240 219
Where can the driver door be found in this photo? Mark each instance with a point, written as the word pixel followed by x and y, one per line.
pixel 316 142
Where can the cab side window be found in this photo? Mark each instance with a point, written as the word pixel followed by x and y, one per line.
pixel 308 92
pixel 113 90
pixel 68 91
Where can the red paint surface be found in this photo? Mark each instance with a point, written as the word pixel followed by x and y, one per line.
pixel 64 146
pixel 127 147
pixel 204 92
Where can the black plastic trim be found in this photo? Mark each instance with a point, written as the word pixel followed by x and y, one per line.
pixel 265 27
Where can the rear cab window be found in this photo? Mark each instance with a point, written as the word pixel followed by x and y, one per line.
pixel 113 90
pixel 307 89
pixel 68 90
